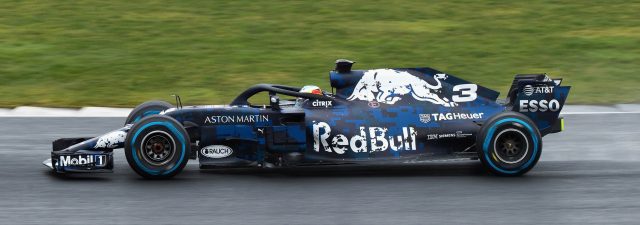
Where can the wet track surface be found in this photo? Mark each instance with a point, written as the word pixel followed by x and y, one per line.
pixel 589 174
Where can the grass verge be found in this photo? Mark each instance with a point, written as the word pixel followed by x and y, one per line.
pixel 121 53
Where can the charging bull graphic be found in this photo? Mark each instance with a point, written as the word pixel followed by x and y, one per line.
pixel 111 140
pixel 388 86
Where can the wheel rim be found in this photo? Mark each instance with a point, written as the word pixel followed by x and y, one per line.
pixel 511 146
pixel 158 148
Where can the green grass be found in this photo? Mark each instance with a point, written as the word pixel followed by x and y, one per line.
pixel 121 53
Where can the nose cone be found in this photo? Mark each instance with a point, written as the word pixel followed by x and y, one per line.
pixel 48 163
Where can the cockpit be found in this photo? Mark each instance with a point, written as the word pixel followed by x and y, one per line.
pixel 296 97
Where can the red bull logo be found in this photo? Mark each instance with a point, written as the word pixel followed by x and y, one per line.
pixel 368 139
pixel 389 86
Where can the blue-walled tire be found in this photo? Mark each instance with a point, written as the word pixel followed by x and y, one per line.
pixel 147 109
pixel 157 147
pixel 509 144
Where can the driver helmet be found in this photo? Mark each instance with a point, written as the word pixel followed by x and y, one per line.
pixel 309 89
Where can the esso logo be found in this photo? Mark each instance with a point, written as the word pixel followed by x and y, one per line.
pixel 216 151
pixel 539 106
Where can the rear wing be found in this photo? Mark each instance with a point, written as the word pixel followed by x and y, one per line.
pixel 540 98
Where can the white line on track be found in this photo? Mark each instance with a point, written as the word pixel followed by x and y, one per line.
pixel 595 113
pixel 29 111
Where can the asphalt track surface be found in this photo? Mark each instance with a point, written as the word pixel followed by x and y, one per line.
pixel 589 174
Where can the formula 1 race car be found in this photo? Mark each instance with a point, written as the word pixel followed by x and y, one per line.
pixel 378 115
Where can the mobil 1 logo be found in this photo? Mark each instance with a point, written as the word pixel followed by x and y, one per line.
pixel 83 160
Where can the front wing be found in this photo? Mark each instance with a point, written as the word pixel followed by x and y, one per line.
pixel 77 155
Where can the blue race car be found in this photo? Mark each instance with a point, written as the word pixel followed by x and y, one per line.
pixel 378 115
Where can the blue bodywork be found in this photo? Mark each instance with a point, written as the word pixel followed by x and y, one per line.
pixel 371 115
pixel 325 134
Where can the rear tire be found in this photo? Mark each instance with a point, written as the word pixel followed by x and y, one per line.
pixel 147 109
pixel 157 147
pixel 509 144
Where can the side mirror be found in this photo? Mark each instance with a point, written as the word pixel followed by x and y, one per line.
pixel 274 101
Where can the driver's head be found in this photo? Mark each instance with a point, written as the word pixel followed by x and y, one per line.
pixel 311 89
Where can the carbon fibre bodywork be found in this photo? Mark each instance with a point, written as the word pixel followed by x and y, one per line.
pixel 372 116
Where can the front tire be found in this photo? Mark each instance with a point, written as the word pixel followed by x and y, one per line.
pixel 509 144
pixel 157 147
pixel 147 109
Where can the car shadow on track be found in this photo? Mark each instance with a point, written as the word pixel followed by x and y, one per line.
pixel 76 177
pixel 469 168
pixel 116 176
pixel 440 169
